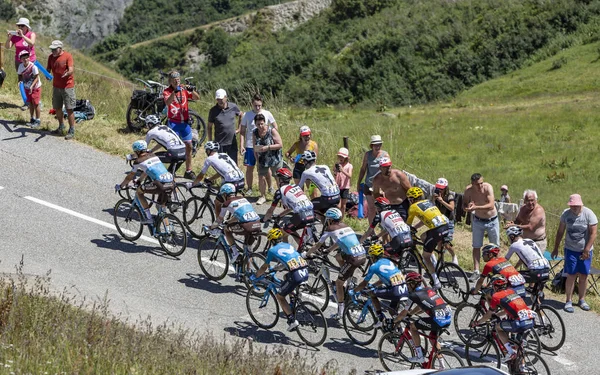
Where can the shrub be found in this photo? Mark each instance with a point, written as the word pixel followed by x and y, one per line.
pixel 7 10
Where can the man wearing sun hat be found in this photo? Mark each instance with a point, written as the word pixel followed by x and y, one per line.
pixel 445 200
pixel 368 170
pixel 60 64
pixel 222 118
pixel 580 224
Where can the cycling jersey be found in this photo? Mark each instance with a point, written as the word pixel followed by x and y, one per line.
pixel 392 222
pixel 432 304
pixel 346 239
pixel 387 272
pixel 224 166
pixel 292 197
pixel 505 268
pixel 321 176
pixel 529 253
pixel 287 255
pixel 153 167
pixel 166 137
pixel 515 306
pixel 178 111
pixel 428 213
pixel 240 208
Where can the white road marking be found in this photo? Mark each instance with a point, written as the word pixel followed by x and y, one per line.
pixel 563 361
pixel 85 217
pixel 1 187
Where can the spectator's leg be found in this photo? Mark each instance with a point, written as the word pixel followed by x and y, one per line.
pixel 582 285
pixel 569 286
pixel 371 207
pixel 249 176
pixel 188 155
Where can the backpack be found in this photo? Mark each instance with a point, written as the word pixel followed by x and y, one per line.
pixel 85 107
pixel 558 283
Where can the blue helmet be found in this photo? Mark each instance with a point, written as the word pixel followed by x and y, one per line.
pixel 139 146
pixel 227 189
pixel 334 214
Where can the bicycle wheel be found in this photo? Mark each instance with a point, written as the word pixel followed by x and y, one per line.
pixel 465 314
pixel 213 258
pixel 313 326
pixel 316 290
pixel 251 264
pixel 550 327
pixel 263 309
pixel 533 364
pixel 446 359
pixel 134 123
pixel 196 214
pixel 409 263
pixel 482 350
pixel 197 122
pixel 455 284
pixel 172 235
pixel 128 220
pixel 358 323
pixel 531 341
pixel 178 198
pixel 394 351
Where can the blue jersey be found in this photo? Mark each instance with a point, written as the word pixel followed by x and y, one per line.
pixel 346 239
pixel 387 272
pixel 287 255
pixel 154 168
pixel 241 209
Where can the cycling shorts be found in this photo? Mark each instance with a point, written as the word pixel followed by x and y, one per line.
pixel 172 157
pixel 183 130
pixel 292 280
pixel 427 324
pixel 162 189
pixel 516 326
pixel 399 243
pixel 248 228
pixel 323 203
pixel 298 221
pixel 393 293
pixel 534 276
pixel 433 237
pixel 402 208
pixel 239 186
pixel 350 265
pixel 298 170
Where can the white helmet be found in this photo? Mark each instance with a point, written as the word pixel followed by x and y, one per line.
pixel 152 121
pixel 309 156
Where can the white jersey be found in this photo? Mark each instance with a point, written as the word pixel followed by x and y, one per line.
pixel 166 137
pixel 346 239
pixel 529 253
pixel 321 176
pixel 392 222
pixel 248 122
pixel 224 166
pixel 293 197
pixel 241 209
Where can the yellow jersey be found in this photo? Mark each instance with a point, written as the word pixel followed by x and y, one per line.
pixel 428 213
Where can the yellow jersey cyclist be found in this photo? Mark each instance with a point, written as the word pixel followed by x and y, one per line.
pixel 431 217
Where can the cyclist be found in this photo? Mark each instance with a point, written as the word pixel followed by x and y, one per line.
pixel 495 265
pixel 391 224
pixel 504 301
pixel 425 300
pixel 321 176
pixel 437 224
pixel 285 254
pixel 244 220
pixel 225 168
pixel 165 138
pixel 150 166
pixel 293 200
pixel 392 279
pixel 538 267
pixel 351 255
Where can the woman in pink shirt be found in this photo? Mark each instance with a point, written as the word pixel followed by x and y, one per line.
pixel 22 40
pixel 343 173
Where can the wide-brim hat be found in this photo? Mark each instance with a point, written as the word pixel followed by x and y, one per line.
pixel 376 140
pixel 56 44
pixel 23 22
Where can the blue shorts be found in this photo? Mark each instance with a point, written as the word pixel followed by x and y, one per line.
pixel 249 158
pixel 183 130
pixel 574 265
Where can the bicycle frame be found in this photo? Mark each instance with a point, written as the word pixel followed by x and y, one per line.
pixel 433 340
pixel 385 306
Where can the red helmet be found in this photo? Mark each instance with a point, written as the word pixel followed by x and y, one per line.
pixel 414 277
pixel 382 203
pixel 498 282
pixel 490 249
pixel 284 173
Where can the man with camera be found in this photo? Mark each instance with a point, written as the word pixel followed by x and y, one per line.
pixel 176 99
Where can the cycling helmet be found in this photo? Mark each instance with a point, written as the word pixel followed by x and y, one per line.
pixel 514 231
pixel 414 192
pixel 382 203
pixel 309 156
pixel 139 146
pixel 227 189
pixel 334 214
pixel 211 146
pixel 376 250
pixel 385 162
pixel 274 234
pixel 152 121
pixel 414 277
pixel 490 249
pixel 498 282
pixel 284 174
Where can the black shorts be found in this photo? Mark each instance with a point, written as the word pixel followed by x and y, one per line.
pixel 350 265
pixel 534 276
pixel 298 170
pixel 292 280
pixel 402 208
pixel 322 203
pixel 162 189
pixel 345 193
pixel 172 157
pixel 299 221
pixel 239 186
pixel 433 237
pixel 427 324
pixel 400 243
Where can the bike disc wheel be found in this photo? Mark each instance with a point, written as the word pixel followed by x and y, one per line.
pixel 172 235
pixel 482 351
pixel 263 309
pixel 213 258
pixel 465 314
pixel 198 213
pixel 550 327
pixel 446 359
pixel 394 352
pixel 313 326
pixel 251 264
pixel 455 284
pixel 533 364
pixel 128 220
pixel 316 290
pixel 358 322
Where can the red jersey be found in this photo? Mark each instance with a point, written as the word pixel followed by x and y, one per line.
pixel 505 268
pixel 515 307
pixel 178 110
pixel 58 66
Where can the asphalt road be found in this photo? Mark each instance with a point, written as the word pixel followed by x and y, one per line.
pixel 57 200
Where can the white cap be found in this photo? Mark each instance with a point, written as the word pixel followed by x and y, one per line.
pixel 343 152
pixel 24 22
pixel 441 183
pixel 305 130
pixel 376 140
pixel 56 44
pixel 220 94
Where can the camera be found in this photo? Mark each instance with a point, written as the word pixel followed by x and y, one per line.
pixel 437 191
pixel 338 167
pixel 190 88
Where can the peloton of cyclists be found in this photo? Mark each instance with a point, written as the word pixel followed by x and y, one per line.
pixel 393 228
pixel 499 265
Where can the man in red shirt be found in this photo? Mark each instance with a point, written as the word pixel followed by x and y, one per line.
pixel 60 64
pixel 176 99
pixel 496 265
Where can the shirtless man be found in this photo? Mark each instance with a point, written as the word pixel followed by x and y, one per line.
pixel 479 199
pixel 532 219
pixel 394 184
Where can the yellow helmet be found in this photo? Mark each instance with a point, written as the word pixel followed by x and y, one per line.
pixel 414 192
pixel 376 250
pixel 274 234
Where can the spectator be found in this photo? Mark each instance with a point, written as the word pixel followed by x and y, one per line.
pixel 24 40
pixel 478 199
pixel 343 173
pixel 532 219
pixel 177 100
pixel 392 184
pixel 222 118
pixel 581 226
pixel 504 197
pixel 30 76
pixel 304 143
pixel 246 147
pixel 267 147
pixel 368 170
pixel 60 64
pixel 445 201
